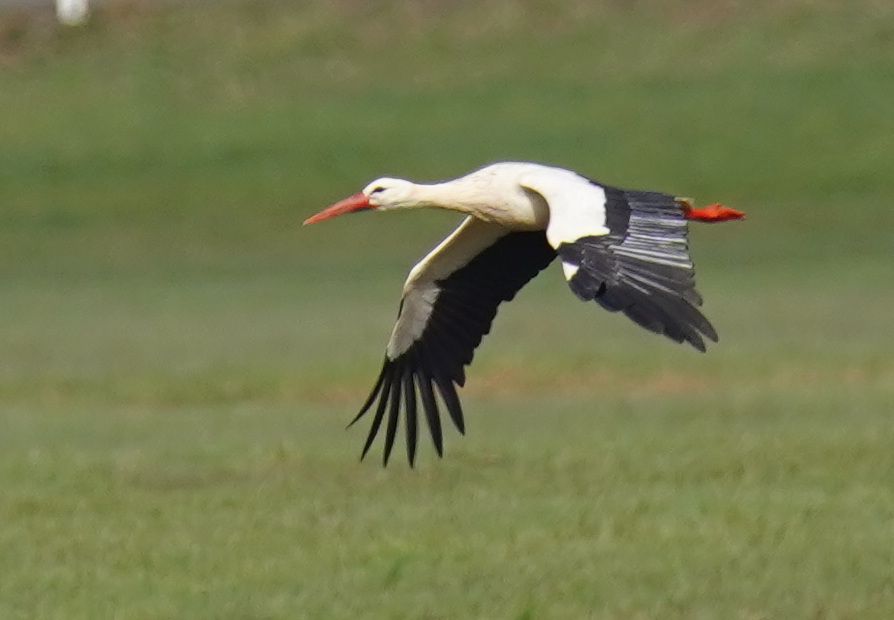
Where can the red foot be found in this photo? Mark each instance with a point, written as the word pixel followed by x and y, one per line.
pixel 712 213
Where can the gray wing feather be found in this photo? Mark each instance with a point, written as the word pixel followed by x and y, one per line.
pixel 642 267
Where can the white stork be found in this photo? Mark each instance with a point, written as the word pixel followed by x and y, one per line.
pixel 625 250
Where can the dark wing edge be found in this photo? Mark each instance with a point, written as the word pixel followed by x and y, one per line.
pixel 642 267
pixel 430 370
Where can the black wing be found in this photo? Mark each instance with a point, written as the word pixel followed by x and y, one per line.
pixel 449 302
pixel 641 267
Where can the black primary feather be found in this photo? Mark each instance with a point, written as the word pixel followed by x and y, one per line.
pixel 462 314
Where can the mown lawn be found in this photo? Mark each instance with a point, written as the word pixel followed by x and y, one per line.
pixel 178 357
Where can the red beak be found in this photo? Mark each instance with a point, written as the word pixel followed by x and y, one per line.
pixel 357 202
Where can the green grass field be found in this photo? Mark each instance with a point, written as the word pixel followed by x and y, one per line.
pixel 178 357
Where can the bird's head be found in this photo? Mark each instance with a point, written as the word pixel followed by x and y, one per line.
pixel 381 195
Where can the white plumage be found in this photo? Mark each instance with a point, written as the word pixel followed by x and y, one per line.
pixel 625 250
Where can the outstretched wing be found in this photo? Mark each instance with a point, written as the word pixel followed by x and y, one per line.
pixel 628 251
pixel 448 304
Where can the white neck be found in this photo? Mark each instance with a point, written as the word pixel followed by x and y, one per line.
pixel 452 195
pixel 503 203
pixel 494 194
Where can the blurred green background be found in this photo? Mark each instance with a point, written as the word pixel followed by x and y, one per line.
pixel 178 357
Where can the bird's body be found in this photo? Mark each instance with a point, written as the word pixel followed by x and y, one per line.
pixel 626 250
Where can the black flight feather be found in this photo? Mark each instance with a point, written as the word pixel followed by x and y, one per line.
pixel 410 404
pixel 372 395
pixel 642 267
pixel 380 412
pixel 461 315
pixel 430 407
pixel 393 414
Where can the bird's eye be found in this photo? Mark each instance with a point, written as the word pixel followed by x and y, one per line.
pixel 377 189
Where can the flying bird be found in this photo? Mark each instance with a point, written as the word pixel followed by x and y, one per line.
pixel 626 250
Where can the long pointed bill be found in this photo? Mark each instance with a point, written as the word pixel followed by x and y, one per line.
pixel 357 202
